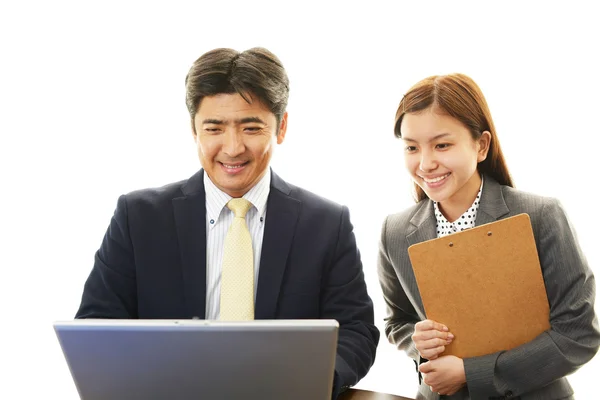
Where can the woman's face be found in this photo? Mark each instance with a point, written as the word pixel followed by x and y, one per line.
pixel 441 157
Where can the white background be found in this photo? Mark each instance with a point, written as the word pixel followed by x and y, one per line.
pixel 92 106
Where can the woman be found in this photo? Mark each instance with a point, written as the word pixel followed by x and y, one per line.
pixel 461 180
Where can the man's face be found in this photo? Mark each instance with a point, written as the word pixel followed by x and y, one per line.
pixel 236 140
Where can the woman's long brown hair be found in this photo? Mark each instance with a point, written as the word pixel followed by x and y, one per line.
pixel 458 96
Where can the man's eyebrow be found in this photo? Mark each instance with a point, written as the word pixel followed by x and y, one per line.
pixel 238 121
pixel 251 119
pixel 212 121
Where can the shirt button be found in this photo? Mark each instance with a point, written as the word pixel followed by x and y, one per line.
pixel 212 221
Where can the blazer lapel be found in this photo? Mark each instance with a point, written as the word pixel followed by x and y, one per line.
pixel 424 224
pixel 190 220
pixel 492 205
pixel 282 216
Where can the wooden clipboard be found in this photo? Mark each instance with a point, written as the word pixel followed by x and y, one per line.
pixel 485 284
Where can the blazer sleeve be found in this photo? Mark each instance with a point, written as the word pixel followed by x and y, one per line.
pixel 110 290
pixel 573 337
pixel 345 299
pixel 401 316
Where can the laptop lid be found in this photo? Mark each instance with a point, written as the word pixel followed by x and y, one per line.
pixel 199 359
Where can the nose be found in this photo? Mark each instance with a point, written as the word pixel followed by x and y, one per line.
pixel 428 161
pixel 233 143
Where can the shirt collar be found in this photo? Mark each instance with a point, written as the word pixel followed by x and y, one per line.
pixel 465 221
pixel 216 199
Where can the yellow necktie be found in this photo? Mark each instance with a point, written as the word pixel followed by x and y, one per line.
pixel 237 276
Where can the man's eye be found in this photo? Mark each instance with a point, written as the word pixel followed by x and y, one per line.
pixel 251 129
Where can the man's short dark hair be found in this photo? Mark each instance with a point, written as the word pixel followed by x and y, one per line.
pixel 254 73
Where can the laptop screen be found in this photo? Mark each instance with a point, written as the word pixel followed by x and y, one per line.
pixel 199 359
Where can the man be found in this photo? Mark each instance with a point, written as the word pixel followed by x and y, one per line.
pixel 166 253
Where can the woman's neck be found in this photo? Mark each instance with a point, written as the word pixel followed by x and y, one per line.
pixel 462 200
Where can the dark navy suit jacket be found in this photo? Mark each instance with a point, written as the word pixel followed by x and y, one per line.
pixel 152 265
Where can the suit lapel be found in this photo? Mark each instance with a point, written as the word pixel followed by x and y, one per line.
pixel 492 205
pixel 282 216
pixel 190 220
pixel 424 224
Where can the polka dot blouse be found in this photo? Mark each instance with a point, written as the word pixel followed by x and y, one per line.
pixel 465 221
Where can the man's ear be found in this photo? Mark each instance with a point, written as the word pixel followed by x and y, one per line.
pixel 282 128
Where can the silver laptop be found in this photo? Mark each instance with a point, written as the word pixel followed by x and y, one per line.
pixel 198 359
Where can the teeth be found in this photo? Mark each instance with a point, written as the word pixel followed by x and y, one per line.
pixel 434 180
pixel 232 166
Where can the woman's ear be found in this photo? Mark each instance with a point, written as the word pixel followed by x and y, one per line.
pixel 483 144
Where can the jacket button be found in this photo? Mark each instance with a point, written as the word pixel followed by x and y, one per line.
pixel 509 394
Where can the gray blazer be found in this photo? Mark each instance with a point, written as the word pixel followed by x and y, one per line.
pixel 535 370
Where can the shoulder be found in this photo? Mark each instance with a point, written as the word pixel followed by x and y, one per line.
pixel 530 203
pixel 147 205
pixel 155 195
pixel 318 217
pixel 192 186
pixel 547 214
pixel 317 210
pixel 401 220
pixel 310 202
pixel 158 201
pixel 169 190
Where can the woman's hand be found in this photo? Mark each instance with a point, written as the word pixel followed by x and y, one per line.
pixel 445 375
pixel 431 338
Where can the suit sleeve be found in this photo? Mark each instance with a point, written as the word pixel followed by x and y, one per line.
pixel 110 290
pixel 346 299
pixel 573 337
pixel 401 316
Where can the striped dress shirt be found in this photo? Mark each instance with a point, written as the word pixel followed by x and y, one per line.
pixel 218 220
